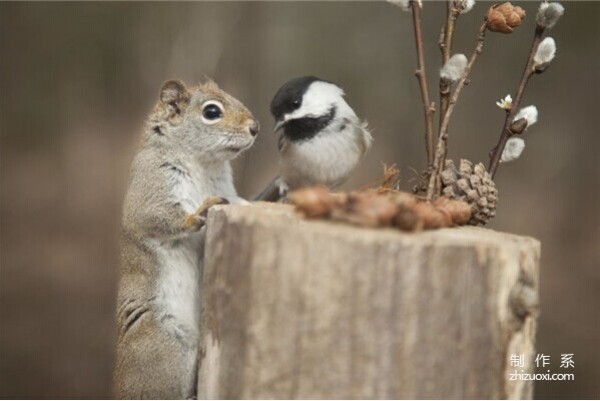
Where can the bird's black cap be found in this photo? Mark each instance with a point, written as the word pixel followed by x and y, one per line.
pixel 289 97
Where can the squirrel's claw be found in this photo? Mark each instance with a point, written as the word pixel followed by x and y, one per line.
pixel 193 222
pixel 197 220
pixel 210 202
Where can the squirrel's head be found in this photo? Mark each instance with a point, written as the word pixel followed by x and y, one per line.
pixel 206 119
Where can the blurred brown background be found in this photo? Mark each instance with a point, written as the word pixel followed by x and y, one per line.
pixel 77 81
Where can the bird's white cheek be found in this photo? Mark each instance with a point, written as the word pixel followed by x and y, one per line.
pixel 295 115
pixel 309 108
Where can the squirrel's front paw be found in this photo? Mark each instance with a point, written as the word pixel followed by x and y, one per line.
pixel 210 202
pixel 197 220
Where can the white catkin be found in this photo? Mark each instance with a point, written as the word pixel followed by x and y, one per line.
pixel 545 51
pixel 464 5
pixel 529 113
pixel 454 68
pixel 548 14
pixel 513 149
pixel 403 4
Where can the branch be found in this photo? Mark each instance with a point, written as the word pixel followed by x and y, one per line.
pixel 496 153
pixel 445 44
pixel 443 135
pixel 428 106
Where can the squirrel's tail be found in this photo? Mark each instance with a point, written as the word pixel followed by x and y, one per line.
pixel 271 193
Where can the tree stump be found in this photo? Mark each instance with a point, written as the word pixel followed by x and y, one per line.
pixel 311 309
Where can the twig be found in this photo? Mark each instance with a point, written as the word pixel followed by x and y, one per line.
pixel 506 134
pixel 445 44
pixel 433 184
pixel 452 14
pixel 428 106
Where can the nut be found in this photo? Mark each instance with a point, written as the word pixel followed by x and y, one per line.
pixel 313 202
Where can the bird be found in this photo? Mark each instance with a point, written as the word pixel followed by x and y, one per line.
pixel 321 139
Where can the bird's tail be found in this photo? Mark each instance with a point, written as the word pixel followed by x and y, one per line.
pixel 271 193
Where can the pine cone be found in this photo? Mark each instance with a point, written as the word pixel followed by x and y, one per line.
pixel 472 184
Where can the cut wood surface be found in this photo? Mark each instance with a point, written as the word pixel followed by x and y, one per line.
pixel 304 309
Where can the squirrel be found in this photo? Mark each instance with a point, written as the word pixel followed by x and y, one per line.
pixel 181 169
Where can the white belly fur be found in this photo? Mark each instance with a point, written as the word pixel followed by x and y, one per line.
pixel 178 292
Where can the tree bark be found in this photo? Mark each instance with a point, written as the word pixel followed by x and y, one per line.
pixel 309 309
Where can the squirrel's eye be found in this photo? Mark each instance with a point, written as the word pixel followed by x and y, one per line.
pixel 212 112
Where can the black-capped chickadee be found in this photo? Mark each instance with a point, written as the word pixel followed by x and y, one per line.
pixel 322 139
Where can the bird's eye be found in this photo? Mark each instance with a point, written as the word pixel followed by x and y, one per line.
pixel 212 112
pixel 296 103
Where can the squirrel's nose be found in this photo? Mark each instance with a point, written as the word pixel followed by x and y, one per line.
pixel 253 128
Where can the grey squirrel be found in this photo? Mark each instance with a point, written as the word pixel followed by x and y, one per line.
pixel 181 169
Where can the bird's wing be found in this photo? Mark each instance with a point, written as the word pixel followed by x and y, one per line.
pixel 365 139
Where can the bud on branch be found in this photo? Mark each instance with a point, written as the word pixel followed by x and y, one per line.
pixel 504 17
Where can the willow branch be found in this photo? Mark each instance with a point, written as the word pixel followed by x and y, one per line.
pixel 428 106
pixel 433 184
pixel 445 45
pixel 496 153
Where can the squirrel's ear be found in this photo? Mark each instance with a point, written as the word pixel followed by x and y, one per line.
pixel 175 97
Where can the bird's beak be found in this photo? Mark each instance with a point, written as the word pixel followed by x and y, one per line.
pixel 278 125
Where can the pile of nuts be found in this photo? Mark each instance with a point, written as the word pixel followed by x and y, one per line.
pixel 377 208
